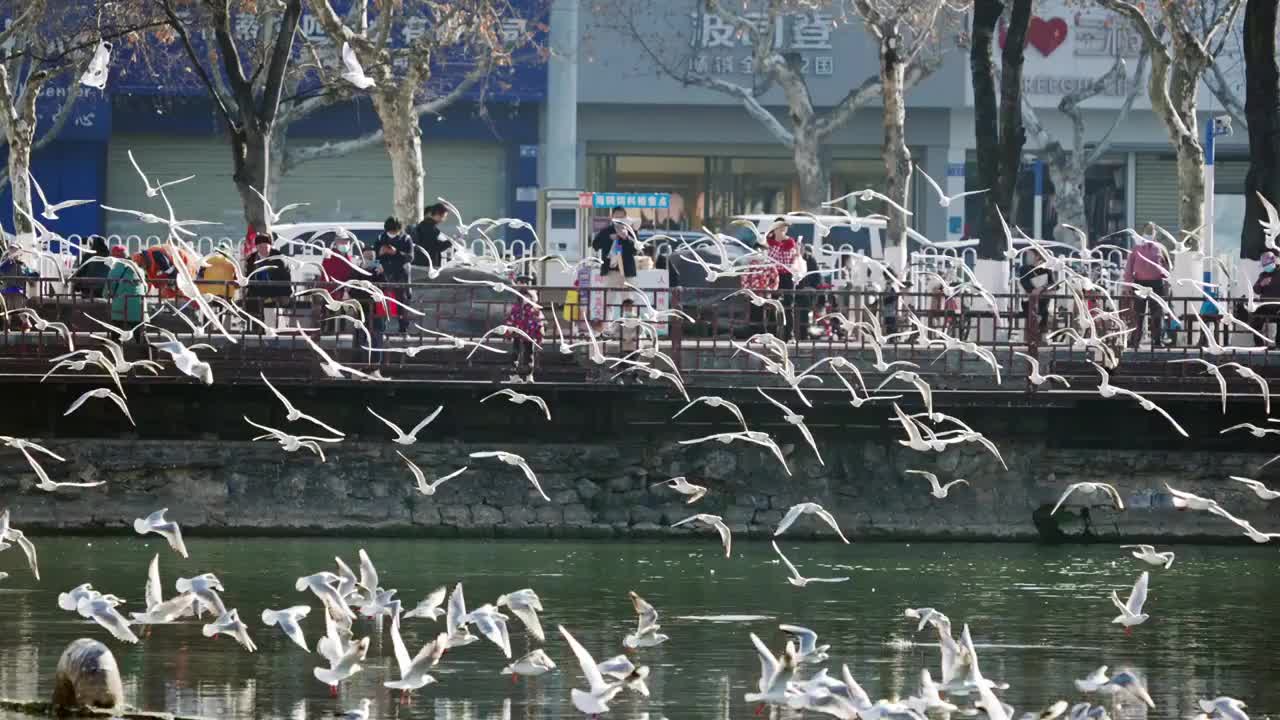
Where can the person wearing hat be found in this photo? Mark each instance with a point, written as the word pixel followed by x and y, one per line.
pixel 1266 288
pixel 527 318
pixel 91 273
pixel 1148 266
pixel 268 276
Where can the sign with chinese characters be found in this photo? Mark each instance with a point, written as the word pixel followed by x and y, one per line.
pixel 626 200
pixel 1069 48
pixel 146 73
pixel 721 50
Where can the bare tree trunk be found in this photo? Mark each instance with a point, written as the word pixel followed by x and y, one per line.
pixel 1068 187
pixel 1262 107
pixel 897 158
pixel 811 171
pixel 249 150
pixel 1012 134
pixel 1190 185
pixel 403 139
pixel 21 138
pixel 986 122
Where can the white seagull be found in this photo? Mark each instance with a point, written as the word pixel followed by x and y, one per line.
pixel 229 623
pixel 1148 555
pixel 684 487
pixel 1089 488
pixel 154 190
pixel 796 578
pixel 10 533
pixel 520 398
pixel 294 414
pixel 51 210
pixel 944 199
pixel 352 72
pixel 531 665
pixel 169 530
pixel 1131 610
pixel 287 620
pixel 1258 488
pixel 515 461
pixel 102 610
pixel 797 420
pixel 526 605
pixel 1254 430
pixel 715 521
pixel 414 670
pixel 646 634
pixel 411 437
pixel 809 508
pixel 595 699
pixel 105 394
pixel 420 477
pixel 938 490
pixel 1035 377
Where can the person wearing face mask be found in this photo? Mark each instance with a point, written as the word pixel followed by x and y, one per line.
pixel 1266 289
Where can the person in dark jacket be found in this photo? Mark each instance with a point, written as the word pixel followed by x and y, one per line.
pixel 268 277
pixel 612 235
pixel 394 250
pixel 1035 280
pixel 426 236
pixel 806 292
pixel 91 274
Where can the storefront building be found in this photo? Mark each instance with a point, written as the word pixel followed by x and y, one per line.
pixel 640 129
pixel 482 156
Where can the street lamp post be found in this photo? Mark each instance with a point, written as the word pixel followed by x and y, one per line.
pixel 1221 126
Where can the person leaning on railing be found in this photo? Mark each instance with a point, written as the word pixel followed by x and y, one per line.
pixel 91 272
pixel 126 289
pixel 1148 265
pixel 268 277
pixel 1035 280
pixel 1265 288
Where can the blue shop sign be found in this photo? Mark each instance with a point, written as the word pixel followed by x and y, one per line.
pixel 90 117
pixel 631 200
pixel 164 69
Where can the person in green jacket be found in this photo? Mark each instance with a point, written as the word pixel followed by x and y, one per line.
pixel 125 288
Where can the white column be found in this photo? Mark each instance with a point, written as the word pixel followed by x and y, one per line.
pixel 955 184
pixel 560 128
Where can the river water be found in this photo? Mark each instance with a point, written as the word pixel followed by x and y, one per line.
pixel 1039 615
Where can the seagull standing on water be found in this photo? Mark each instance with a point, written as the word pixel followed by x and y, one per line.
pixel 532 665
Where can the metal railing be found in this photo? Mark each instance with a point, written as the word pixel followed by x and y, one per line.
pixel 264 319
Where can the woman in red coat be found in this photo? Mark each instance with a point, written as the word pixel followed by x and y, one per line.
pixel 783 252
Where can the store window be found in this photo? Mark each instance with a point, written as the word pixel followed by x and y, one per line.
pixel 1104 201
pixel 708 190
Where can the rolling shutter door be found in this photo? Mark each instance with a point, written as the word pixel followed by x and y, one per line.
pixel 1156 194
pixel 355 187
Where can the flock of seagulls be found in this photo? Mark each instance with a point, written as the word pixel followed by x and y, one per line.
pixel 347 600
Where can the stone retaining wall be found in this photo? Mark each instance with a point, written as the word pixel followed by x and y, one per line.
pixel 605 490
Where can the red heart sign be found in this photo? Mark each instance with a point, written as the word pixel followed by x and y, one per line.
pixel 1043 35
pixel 1046 35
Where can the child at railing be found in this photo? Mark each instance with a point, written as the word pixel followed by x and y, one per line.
pixel 527 318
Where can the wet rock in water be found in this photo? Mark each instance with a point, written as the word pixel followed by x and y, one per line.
pixel 87 676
